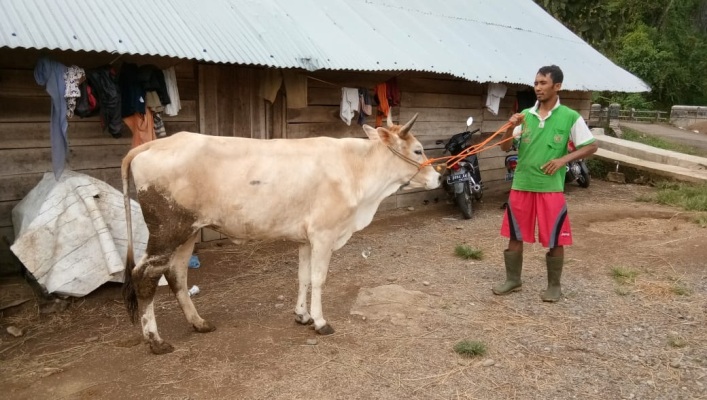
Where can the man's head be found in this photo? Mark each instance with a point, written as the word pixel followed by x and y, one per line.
pixel 548 82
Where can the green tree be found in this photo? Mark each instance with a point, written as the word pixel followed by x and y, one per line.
pixel 664 42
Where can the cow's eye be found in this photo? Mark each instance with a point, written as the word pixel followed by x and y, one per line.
pixel 418 152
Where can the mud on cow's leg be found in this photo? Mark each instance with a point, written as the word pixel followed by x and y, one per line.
pixel 146 277
pixel 304 279
pixel 177 278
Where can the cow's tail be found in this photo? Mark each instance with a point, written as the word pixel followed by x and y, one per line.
pixel 129 294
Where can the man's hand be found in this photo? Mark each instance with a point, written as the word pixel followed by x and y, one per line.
pixel 552 166
pixel 517 119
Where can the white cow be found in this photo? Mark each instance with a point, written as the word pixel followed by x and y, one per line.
pixel 315 191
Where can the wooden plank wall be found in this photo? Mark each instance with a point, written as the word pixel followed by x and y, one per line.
pixel 25 149
pixel 442 104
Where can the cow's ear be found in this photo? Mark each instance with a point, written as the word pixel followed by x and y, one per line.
pixel 381 134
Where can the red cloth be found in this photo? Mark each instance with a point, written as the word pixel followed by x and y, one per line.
pixel 383 107
pixel 142 126
pixel 392 92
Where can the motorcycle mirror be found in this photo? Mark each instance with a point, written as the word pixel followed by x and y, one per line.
pixel 469 121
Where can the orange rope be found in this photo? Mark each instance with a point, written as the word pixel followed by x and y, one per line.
pixel 474 149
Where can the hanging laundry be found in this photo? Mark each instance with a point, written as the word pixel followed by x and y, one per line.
pixel 496 92
pixel 170 79
pixel 381 97
pixel 152 78
pixel 73 77
pixel 392 92
pixel 50 74
pixel 349 104
pixel 160 130
pixel 364 105
pixel 103 82
pixel 132 94
pixel 142 126
pixel 152 100
pixel 295 88
pixel 86 104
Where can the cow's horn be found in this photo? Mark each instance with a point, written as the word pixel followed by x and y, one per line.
pixel 407 126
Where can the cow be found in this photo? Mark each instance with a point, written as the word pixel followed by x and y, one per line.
pixel 315 191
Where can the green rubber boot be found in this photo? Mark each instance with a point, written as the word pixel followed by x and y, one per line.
pixel 514 266
pixel 554 273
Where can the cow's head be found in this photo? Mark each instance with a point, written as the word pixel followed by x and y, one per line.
pixel 409 151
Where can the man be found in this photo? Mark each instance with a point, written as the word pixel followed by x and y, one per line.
pixel 542 134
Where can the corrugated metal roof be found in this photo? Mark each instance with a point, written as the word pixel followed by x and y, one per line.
pixel 478 40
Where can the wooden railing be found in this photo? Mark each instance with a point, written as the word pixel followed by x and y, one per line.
pixel 648 116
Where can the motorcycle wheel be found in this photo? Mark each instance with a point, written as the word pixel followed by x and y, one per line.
pixel 463 201
pixel 584 179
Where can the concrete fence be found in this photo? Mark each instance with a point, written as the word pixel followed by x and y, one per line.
pixel 680 116
pixel 684 116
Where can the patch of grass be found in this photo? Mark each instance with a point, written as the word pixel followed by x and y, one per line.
pixel 622 291
pixel 470 348
pixel 691 197
pixel 467 252
pixel 701 220
pixel 680 290
pixel 623 275
pixel 635 136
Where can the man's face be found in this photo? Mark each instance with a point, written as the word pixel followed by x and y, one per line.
pixel 545 89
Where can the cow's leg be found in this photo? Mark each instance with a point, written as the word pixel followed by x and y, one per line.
pixel 320 257
pixel 177 278
pixel 145 277
pixel 304 275
pixel 170 226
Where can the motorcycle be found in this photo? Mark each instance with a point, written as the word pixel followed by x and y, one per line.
pixel 462 180
pixel 577 170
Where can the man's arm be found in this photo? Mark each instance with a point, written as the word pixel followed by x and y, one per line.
pixel 516 119
pixel 580 133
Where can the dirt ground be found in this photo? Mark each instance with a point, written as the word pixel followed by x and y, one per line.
pixel 398 314
pixel 700 127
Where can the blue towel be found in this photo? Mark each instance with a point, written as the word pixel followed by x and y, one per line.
pixel 194 262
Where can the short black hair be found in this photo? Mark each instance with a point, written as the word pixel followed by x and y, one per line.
pixel 554 71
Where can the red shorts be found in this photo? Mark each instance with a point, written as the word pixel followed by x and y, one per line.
pixel 549 210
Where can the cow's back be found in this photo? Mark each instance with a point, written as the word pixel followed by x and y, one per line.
pixel 256 189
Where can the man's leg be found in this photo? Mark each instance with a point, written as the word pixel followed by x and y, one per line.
pixel 554 259
pixel 513 258
pixel 555 233
pixel 518 226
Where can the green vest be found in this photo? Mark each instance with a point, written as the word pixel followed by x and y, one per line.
pixel 540 142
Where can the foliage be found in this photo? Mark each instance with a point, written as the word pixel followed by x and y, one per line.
pixel 623 275
pixel 467 252
pixel 691 197
pixel 597 168
pixel 664 42
pixel 470 348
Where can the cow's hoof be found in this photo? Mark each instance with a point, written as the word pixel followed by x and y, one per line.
pixel 325 330
pixel 205 327
pixel 161 348
pixel 300 319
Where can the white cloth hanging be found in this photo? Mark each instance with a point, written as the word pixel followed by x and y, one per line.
pixel 349 104
pixel 496 92
pixel 170 80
